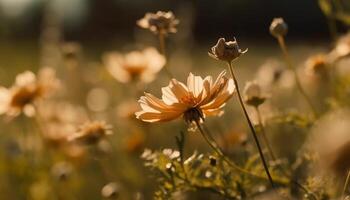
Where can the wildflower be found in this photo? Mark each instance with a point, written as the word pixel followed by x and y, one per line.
pixel 159 22
pixel 62 170
pixel 194 101
pixel 136 65
pixel 111 190
pixel 341 49
pixel 317 64
pixel 59 119
pixel 272 73
pixel 27 89
pixel 331 131
pixel 253 95
pixel 226 51
pixel 91 132
pixel 278 27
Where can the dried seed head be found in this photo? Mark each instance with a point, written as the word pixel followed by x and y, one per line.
pixel 111 190
pixel 278 27
pixel 226 51
pixel 91 132
pixel 253 95
pixel 159 23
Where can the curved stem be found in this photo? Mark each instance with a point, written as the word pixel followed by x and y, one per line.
pixel 217 150
pixel 288 61
pixel 274 158
pixel 161 38
pixel 251 126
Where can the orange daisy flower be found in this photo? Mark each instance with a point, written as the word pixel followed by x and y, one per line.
pixel 194 101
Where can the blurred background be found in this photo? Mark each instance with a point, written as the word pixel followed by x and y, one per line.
pixel 110 24
pixel 38 33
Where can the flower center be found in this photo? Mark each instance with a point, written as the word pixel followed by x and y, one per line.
pixel 193 115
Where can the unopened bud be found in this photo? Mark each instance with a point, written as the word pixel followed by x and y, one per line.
pixel 226 51
pixel 278 27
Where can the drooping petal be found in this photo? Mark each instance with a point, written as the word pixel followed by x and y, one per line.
pixel 157 117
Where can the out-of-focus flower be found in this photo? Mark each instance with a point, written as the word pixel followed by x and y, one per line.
pixel 330 139
pixel 272 73
pixel 59 120
pixel 253 95
pixel 317 64
pixel 341 49
pixel 159 22
pixel 61 170
pixel 111 190
pixel 97 99
pixel 194 101
pixel 226 51
pixel 278 27
pixel 91 132
pixel 136 65
pixel 27 89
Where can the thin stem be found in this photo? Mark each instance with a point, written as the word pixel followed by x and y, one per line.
pixel 262 128
pixel 346 185
pixel 288 61
pixel 161 38
pixel 217 149
pixel 274 158
pixel 251 126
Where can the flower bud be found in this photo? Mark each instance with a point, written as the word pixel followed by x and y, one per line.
pixel 252 94
pixel 278 27
pixel 111 190
pixel 226 51
pixel 212 160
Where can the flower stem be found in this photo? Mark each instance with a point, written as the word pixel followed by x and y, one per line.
pixel 288 61
pixel 217 149
pixel 251 126
pixel 161 38
pixel 262 128
pixel 274 158
pixel 346 185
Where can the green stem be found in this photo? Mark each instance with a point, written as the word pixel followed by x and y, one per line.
pixel 288 61
pixel 251 126
pixel 274 158
pixel 217 150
